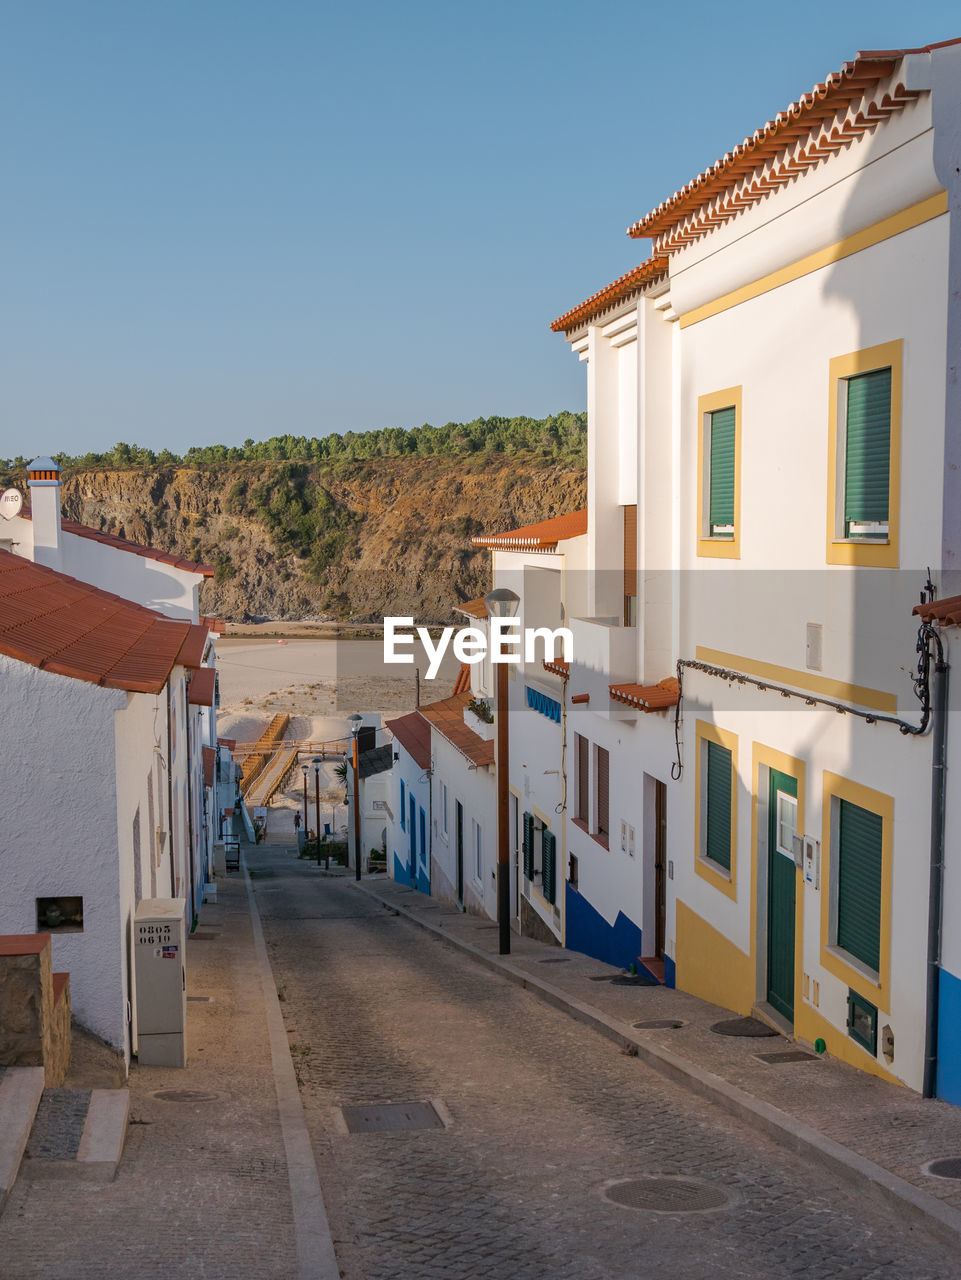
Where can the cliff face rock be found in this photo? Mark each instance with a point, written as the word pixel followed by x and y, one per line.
pixel 291 541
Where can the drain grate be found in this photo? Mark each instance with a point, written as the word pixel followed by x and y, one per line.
pixel 789 1055
pixel 203 935
pixel 752 1028
pixel 556 960
pixel 391 1117
pixel 659 1024
pixel 949 1167
pixel 200 999
pixel 666 1195
pixel 185 1095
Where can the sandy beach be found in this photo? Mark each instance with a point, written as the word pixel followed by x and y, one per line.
pixel 318 683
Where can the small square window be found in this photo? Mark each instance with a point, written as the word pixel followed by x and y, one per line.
pixel 60 915
pixel 863 1022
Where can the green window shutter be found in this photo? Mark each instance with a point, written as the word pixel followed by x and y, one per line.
pixel 867 450
pixel 718 819
pixel 721 502
pixel 859 883
pixel 529 846
pixel 549 865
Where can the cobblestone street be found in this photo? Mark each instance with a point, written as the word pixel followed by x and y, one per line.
pixel 544 1117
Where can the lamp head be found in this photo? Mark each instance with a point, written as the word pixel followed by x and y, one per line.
pixel 305 769
pixel 355 721
pixel 501 603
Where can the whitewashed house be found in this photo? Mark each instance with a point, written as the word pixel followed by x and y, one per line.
pixel 774 441
pixel 95 793
pixel 410 781
pixel 544 564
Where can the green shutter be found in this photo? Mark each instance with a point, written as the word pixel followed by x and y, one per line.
pixel 721 502
pixel 859 883
pixel 529 846
pixel 718 842
pixel 867 456
pixel 549 865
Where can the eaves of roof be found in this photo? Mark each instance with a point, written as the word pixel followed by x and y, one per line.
pixel 543 536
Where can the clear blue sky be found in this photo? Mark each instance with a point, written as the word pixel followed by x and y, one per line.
pixel 223 218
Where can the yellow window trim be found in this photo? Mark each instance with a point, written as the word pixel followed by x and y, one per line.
pixel 832 958
pixel 882 555
pixel 913 216
pixel 716 876
pixel 718 548
pixel 863 696
pixel 771 759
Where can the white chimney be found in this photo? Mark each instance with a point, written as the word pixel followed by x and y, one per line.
pixel 43 481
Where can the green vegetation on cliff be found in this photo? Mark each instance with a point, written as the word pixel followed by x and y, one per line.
pixel 561 437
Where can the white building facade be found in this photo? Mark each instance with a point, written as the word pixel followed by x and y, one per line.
pixel 773 436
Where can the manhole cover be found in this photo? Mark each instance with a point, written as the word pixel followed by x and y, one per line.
pixel 556 960
pixel 666 1195
pixel 789 1055
pixel 750 1027
pixel 203 935
pixel 185 1095
pixel 659 1024
pixel 950 1167
pixel 391 1117
pixel 634 980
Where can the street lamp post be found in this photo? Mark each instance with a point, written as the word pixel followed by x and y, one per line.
pixel 502 603
pixel 355 722
pixel 316 762
pixel 305 769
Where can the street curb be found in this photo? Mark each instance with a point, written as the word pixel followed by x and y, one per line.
pixel 20 1093
pixel 315 1249
pixel 887 1188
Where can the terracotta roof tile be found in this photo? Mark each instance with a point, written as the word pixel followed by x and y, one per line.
pixel 946 612
pixel 447 718
pixel 216 625
pixel 648 697
pixel 203 684
pixel 543 536
pixel 652 269
pixel 209 755
pixel 558 666
pixel 193 648
pixel 462 683
pixel 799 122
pixel 413 733
pixel 54 622
pixel 473 608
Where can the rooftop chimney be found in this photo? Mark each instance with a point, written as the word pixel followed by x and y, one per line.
pixel 43 481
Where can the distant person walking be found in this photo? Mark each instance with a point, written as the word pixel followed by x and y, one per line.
pixel 296 821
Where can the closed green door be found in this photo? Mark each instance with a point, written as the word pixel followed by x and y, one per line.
pixel 781 890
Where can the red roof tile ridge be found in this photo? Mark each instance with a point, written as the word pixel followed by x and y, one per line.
pixel 540 536
pixel 851 83
pixel 649 271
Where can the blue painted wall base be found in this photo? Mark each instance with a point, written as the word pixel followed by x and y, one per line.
pixel 670 972
pixel 949 1038
pixel 587 931
pixel 400 872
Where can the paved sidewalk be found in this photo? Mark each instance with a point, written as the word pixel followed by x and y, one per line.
pixel 203 1187
pixel 865 1128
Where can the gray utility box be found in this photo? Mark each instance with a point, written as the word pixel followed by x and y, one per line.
pixel 161 982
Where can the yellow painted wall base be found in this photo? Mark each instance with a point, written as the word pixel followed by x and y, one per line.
pixel 810 1026
pixel 708 965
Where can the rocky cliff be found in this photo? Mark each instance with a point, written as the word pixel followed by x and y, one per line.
pixel 358 540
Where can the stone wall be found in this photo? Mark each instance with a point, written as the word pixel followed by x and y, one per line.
pixel 34 1007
